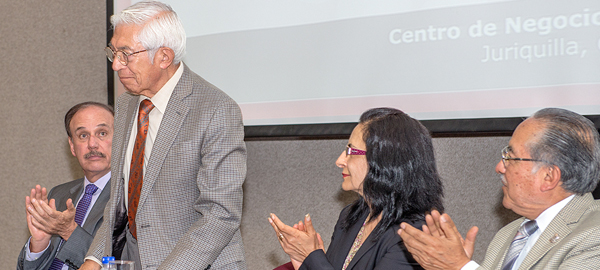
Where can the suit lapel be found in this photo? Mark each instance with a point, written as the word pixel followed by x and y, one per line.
pixel 75 193
pixel 506 244
pixel 560 226
pixel 97 210
pixel 127 124
pixel 123 127
pixel 544 243
pixel 498 248
pixel 364 249
pixel 170 126
pixel 352 233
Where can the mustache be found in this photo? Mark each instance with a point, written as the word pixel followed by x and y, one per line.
pixel 94 153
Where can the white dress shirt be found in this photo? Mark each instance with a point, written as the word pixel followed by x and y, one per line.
pixel 160 101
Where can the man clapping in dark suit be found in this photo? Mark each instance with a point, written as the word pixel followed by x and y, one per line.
pixel 62 231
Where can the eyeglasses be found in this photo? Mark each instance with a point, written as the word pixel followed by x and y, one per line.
pixel 354 152
pixel 122 56
pixel 506 156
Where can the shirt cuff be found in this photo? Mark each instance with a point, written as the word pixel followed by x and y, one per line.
pixel 31 256
pixel 472 265
pixel 94 259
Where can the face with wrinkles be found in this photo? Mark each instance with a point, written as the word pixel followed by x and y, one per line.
pixel 522 185
pixel 139 76
pixel 91 141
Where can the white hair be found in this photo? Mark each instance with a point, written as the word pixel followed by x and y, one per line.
pixel 161 27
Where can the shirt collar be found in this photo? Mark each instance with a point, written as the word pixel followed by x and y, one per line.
pixel 544 219
pixel 100 183
pixel 161 98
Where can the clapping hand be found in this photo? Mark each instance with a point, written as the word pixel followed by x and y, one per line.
pixel 439 245
pixel 297 241
pixel 42 215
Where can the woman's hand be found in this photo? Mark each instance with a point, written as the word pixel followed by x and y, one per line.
pixel 298 241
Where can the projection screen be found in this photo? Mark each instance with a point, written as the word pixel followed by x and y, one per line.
pixel 291 62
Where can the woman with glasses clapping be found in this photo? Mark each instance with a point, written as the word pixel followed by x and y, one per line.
pixel 389 161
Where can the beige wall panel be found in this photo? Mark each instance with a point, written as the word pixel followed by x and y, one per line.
pixel 293 178
pixel 51 58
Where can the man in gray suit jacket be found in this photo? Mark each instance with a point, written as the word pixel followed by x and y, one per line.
pixel 60 233
pixel 193 156
pixel 549 169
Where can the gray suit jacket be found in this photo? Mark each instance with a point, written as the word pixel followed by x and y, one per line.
pixel 191 200
pixel 571 240
pixel 72 252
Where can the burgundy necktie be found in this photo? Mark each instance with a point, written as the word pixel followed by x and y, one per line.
pixel 136 173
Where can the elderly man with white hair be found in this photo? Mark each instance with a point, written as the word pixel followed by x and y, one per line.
pixel 179 157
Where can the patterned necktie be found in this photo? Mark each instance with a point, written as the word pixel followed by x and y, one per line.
pixel 518 243
pixel 136 173
pixel 82 208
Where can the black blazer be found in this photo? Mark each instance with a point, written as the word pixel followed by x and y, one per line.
pixel 388 252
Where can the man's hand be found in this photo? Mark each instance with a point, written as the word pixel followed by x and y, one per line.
pixel 439 245
pixel 43 216
pixel 39 239
pixel 90 265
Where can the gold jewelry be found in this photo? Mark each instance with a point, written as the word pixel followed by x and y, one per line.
pixel 280 237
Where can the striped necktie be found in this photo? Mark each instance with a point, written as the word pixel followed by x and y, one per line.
pixel 80 212
pixel 518 243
